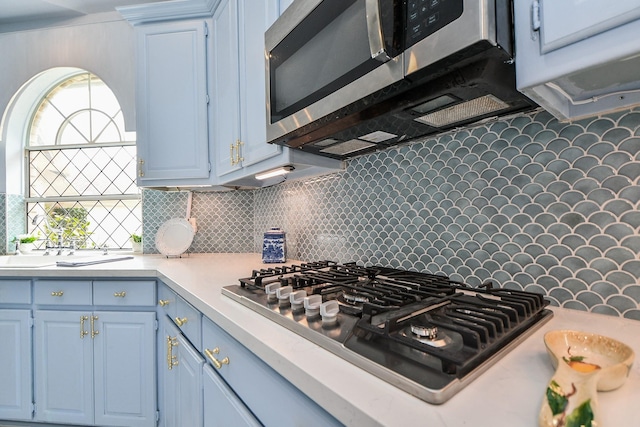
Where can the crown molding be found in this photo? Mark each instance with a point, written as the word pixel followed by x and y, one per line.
pixel 168 10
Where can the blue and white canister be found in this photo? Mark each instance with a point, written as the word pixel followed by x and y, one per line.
pixel 273 247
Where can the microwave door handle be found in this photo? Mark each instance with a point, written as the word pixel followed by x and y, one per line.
pixel 374 30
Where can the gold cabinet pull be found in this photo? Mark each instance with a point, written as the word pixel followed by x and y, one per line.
pixel 181 321
pixel 140 171
pixel 57 293
pixel 120 294
pixel 235 153
pixel 171 359
pixel 94 331
pixel 211 355
pixel 238 157
pixel 163 302
pixel 82 331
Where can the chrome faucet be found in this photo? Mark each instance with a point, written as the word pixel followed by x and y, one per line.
pixel 60 237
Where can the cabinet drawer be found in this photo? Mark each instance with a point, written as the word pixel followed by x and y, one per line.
pixel 62 292
pixel 15 291
pixel 124 292
pixel 189 320
pixel 167 300
pixel 248 376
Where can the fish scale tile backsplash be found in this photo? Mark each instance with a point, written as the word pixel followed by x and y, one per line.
pixel 224 220
pixel 527 202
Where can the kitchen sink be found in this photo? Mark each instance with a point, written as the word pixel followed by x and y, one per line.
pixel 37 261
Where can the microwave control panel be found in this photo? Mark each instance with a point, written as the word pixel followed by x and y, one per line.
pixel 425 17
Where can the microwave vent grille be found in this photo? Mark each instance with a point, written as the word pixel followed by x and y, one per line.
pixel 347 147
pixel 464 111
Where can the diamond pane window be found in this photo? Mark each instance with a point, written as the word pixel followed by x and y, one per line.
pixel 82 189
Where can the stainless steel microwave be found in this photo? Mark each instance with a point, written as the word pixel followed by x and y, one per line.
pixel 347 77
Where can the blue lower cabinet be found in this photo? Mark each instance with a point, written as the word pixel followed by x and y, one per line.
pixel 124 369
pixel 15 362
pixel 222 408
pixel 181 379
pixel 63 364
pixel 95 367
pixel 272 399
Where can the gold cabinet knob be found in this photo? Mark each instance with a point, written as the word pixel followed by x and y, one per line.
pixel 163 302
pixel 120 294
pixel 57 293
pixel 211 356
pixel 181 321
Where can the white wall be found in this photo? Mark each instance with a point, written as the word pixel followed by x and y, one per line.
pixel 106 49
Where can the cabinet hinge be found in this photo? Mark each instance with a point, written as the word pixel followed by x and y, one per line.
pixel 535 15
pixel 206 29
pixel 155 324
pixel 31 322
pixel 33 409
pixel 209 166
pixel 157 417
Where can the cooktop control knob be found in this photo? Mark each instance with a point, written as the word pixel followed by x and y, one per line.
pixel 329 312
pixel 270 290
pixel 312 305
pixel 283 295
pixel 297 300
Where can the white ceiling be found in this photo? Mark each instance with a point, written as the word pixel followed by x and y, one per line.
pixel 18 11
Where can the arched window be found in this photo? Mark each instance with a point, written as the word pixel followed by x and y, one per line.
pixel 81 168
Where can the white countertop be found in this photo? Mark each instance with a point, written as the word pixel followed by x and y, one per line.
pixel 507 394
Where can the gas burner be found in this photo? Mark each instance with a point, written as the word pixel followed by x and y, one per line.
pixel 352 298
pixel 427 332
pixel 427 335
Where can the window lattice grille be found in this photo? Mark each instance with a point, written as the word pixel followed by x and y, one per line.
pixel 91 171
pixel 82 166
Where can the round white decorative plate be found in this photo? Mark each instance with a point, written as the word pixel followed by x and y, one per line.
pixel 174 237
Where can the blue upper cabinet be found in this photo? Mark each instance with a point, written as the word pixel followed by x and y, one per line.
pixel 225 87
pixel 172 112
pixel 201 95
pixel 172 93
pixel 238 90
pixel 238 84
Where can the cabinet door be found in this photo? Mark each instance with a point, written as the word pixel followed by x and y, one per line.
pixel 180 368
pixel 172 129
pixel 63 360
pixel 586 20
pixel 223 407
pixel 255 17
pixel 15 360
pixel 124 369
pixel 167 375
pixel 225 87
pixel 189 404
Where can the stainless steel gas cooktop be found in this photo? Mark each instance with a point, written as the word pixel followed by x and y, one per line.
pixel 423 333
